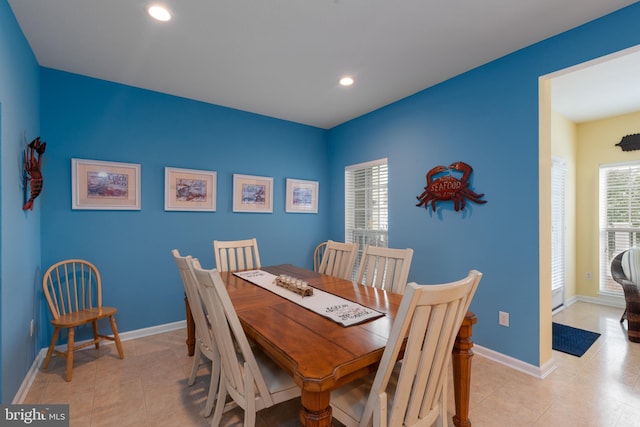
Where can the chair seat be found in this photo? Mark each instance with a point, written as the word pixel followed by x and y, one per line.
pixel 278 381
pixel 351 398
pixel 81 317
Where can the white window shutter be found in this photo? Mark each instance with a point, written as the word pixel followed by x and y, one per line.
pixel 619 217
pixel 558 224
pixel 367 204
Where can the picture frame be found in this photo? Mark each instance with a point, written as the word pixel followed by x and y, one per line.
pixel 302 196
pixel 189 190
pixel 252 194
pixel 97 184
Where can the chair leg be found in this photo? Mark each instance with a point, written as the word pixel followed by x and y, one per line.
pixel 197 358
pixel 116 337
pixel 96 340
pixel 54 339
pixel 623 316
pixel 249 398
pixel 222 397
pixel 380 414
pixel 70 345
pixel 213 386
pixel 633 327
pixel 442 417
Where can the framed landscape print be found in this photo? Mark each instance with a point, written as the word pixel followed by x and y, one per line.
pixel 302 196
pixel 252 193
pixel 105 185
pixel 189 190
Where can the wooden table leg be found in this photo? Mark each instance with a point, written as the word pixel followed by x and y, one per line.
pixel 191 329
pixel 461 357
pixel 316 411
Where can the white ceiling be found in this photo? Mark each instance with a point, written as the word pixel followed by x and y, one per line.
pixel 604 87
pixel 283 58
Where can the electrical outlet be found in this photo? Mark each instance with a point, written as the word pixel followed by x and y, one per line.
pixel 32 327
pixel 503 318
pixel 588 275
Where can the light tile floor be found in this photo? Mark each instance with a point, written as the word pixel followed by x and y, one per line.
pixel 149 387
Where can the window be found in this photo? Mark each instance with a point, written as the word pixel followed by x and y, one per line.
pixel 366 205
pixel 558 184
pixel 619 217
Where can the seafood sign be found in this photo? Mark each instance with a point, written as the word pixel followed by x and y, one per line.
pixel 442 186
pixel 33 170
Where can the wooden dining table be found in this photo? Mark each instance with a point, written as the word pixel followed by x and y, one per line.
pixel 322 355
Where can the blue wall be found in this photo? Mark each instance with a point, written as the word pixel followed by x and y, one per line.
pixel 488 118
pixel 92 119
pixel 19 231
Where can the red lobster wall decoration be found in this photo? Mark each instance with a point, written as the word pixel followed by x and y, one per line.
pixel 33 170
pixel 448 187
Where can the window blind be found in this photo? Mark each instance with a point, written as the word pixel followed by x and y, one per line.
pixel 619 217
pixel 367 205
pixel 558 206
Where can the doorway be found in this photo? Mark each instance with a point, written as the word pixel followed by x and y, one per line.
pixel 581 93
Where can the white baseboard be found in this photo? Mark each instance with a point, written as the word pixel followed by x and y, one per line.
pixel 611 301
pixel 547 368
pixel 153 330
pixel 125 336
pixel 513 363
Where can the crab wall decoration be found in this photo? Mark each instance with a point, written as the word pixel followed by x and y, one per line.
pixel 448 187
pixel 33 170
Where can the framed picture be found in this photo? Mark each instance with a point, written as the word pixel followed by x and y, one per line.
pixel 302 196
pixel 189 190
pixel 252 193
pixel 105 185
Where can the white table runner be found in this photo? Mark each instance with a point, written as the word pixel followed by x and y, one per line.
pixel 338 309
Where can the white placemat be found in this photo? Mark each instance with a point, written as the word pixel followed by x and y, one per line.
pixel 338 309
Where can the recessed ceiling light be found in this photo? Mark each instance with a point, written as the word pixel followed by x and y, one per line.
pixel 160 13
pixel 346 81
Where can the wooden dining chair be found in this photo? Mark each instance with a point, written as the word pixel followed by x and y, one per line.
pixel 234 255
pixel 249 376
pixel 205 345
pixel 412 392
pixel 385 268
pixel 73 290
pixel 339 259
pixel 317 256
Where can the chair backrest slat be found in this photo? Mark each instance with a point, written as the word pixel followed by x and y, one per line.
pixel 318 253
pixel 236 255
pixel 339 259
pixel 77 305
pixel 72 285
pixel 385 268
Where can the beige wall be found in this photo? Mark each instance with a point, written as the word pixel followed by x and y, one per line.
pixel 563 145
pixel 595 146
